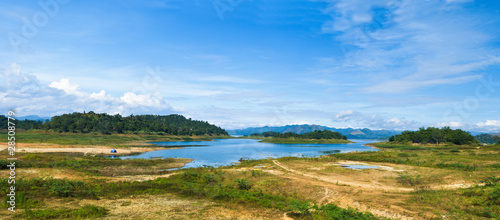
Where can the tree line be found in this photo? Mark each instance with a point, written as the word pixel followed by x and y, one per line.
pixel 20 124
pixel 317 134
pixel 107 124
pixel 433 135
pixel 488 138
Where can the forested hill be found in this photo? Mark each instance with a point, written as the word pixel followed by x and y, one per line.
pixel 107 124
pixel 20 124
pixel 435 136
pixel 488 138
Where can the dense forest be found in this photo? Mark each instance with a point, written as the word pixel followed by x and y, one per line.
pixel 487 138
pixel 21 124
pixel 311 135
pixel 435 136
pixel 108 124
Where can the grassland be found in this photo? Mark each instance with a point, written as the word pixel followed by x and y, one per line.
pixel 304 141
pixel 75 186
pixel 413 181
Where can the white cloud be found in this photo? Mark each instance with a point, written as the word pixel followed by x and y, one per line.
pixel 487 126
pixel 135 100
pixel 451 124
pixel 374 121
pixel 67 86
pixel 407 45
pixel 24 93
pixel 102 96
pixel 346 115
pixel 489 123
pixel 16 80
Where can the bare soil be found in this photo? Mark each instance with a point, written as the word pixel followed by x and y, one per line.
pixel 85 149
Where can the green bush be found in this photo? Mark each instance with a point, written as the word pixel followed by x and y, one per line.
pixel 457 166
pixel 88 211
pixel 403 155
pixel 490 180
pixel 331 211
pixel 243 184
pixel 494 196
pixel 408 179
pixel 300 208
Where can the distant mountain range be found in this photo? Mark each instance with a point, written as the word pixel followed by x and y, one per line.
pixel 33 118
pixel 351 133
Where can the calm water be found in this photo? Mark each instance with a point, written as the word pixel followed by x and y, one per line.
pixel 359 167
pixel 225 151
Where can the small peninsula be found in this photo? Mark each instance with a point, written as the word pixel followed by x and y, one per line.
pixel 315 137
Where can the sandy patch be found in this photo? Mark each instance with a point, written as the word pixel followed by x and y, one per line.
pixel 380 167
pixel 85 149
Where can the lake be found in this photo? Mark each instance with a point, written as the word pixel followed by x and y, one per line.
pixel 221 152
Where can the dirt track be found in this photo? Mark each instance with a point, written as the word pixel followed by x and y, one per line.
pixel 339 189
pixel 336 181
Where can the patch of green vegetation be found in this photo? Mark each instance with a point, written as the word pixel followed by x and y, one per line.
pixel 243 184
pixel 408 179
pixel 94 165
pixel 315 137
pixel 304 141
pixel 22 201
pixel 256 173
pixel 435 136
pixel 446 156
pixel 330 211
pixel 487 138
pixel 85 212
pixel 481 201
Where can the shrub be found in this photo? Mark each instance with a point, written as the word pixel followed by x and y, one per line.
pixel 331 211
pixel 495 165
pixel 494 196
pixel 300 208
pixel 403 155
pixel 59 188
pixel 243 184
pixel 88 211
pixel 490 180
pixel 406 178
pixel 457 166
pixel 256 173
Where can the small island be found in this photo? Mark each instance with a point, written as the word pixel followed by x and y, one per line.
pixel 315 137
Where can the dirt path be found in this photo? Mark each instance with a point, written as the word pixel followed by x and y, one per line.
pixel 344 201
pixel 335 181
pixel 373 185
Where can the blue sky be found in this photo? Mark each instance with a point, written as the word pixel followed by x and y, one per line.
pixel 380 64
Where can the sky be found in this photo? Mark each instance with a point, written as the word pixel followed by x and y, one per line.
pixel 378 64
